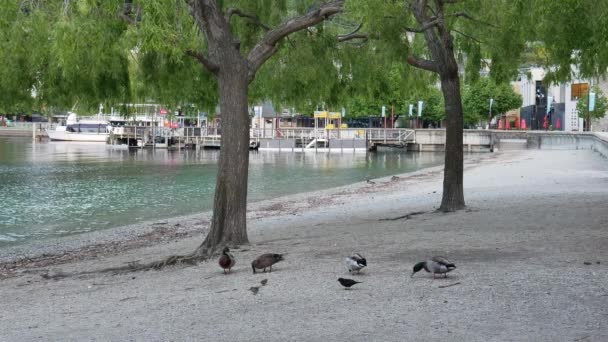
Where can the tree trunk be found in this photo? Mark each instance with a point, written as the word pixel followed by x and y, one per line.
pixel 453 194
pixel 228 225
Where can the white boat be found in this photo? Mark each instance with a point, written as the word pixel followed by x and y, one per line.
pixel 74 129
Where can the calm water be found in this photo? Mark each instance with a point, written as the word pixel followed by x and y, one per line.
pixel 57 189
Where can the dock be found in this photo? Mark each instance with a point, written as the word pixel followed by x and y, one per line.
pixel 170 138
pixel 301 139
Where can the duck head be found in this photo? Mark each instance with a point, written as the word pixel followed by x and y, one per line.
pixel 277 257
pixel 226 250
pixel 418 267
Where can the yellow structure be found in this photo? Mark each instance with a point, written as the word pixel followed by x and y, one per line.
pixel 331 119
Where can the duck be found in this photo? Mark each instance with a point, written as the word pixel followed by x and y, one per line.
pixel 227 260
pixel 266 261
pixel 435 265
pixel 355 262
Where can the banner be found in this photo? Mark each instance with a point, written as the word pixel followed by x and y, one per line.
pixel 420 108
pixel 411 109
pixel 591 101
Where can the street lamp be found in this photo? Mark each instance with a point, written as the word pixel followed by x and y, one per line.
pixel 490 115
pixel 420 104
pixel 590 108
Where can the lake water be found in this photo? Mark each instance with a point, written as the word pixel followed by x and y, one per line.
pixel 57 189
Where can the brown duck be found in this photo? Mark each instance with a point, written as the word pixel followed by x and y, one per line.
pixel 227 260
pixel 266 261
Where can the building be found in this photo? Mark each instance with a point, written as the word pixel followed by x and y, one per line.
pixel 563 114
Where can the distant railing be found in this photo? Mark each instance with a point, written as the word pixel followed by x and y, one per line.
pixel 26 126
pixel 377 134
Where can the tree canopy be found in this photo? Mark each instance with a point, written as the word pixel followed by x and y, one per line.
pixel 476 100
pixel 571 33
pixel 601 104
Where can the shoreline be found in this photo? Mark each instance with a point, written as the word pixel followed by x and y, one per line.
pixel 116 240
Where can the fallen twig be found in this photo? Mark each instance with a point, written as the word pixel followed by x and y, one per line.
pixel 406 216
pixel 444 286
pixel 127 298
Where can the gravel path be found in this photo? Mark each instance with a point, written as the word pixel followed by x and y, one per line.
pixel 533 220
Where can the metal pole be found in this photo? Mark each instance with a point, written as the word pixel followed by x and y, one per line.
pixel 588 107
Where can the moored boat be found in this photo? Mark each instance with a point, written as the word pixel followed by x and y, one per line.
pixel 74 129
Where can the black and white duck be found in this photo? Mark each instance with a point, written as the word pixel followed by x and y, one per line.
pixel 435 265
pixel 355 262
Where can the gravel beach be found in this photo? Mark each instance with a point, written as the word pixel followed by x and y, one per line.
pixel 531 250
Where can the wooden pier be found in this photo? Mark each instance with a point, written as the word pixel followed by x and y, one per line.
pixel 165 137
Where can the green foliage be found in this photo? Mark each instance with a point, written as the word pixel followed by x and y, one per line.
pixel 77 54
pixel 66 57
pixel 572 32
pixel 601 104
pixel 476 100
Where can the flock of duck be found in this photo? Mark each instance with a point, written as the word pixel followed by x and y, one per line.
pixel 354 263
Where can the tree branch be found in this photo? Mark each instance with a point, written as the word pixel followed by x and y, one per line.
pixel 212 67
pixel 350 36
pixel 434 21
pixel 422 63
pixel 467 16
pixel 267 46
pixel 232 11
pixel 127 11
pixel 468 36
pixel 353 35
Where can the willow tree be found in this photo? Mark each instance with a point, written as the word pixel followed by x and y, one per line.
pixel 234 71
pixel 96 51
pixel 447 38
pixel 573 36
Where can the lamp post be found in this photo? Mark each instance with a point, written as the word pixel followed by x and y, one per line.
pixel 420 104
pixel 411 113
pixel 490 113
pixel 590 108
pixel 549 109
pixel 539 97
pixel 384 115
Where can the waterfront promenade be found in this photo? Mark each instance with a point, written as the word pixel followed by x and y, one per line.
pixel 530 249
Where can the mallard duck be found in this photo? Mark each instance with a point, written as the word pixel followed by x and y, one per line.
pixel 227 260
pixel 435 265
pixel 355 262
pixel 266 261
pixel 347 283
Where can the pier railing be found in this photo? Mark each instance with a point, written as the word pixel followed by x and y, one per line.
pixel 374 134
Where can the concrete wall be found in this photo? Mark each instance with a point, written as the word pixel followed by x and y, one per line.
pixel 277 143
pixel 15 132
pixel 347 143
pixel 428 140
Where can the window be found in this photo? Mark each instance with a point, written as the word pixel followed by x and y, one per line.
pixel 578 90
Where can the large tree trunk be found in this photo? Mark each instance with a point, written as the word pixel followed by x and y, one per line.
pixel 441 47
pixel 228 225
pixel 453 194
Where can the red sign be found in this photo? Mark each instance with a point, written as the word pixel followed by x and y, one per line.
pixel 163 111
